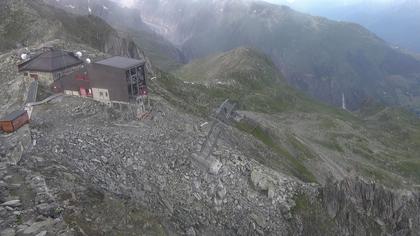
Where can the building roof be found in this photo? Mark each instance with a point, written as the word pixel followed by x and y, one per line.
pixel 13 115
pixel 120 62
pixel 51 61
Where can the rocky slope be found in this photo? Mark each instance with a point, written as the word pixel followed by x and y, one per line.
pixel 39 23
pixel 311 141
pixel 163 54
pixel 357 207
pixel 81 168
pixel 40 26
pixel 323 58
pixel 78 161
pixel 84 169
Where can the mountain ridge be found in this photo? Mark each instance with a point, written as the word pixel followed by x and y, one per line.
pixel 323 58
pixel 129 22
pixel 269 107
pixel 396 22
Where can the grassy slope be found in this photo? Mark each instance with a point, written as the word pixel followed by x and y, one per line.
pixel 248 77
pixel 321 57
pixel 378 142
pixel 162 54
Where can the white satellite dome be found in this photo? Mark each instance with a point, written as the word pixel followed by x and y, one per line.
pixel 24 56
pixel 79 54
pixel 88 61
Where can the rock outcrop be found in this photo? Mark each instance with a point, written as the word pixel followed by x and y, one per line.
pixel 365 208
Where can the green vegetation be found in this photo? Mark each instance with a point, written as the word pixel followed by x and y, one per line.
pixel 300 148
pixel 395 131
pixel 410 169
pixel 322 57
pixel 296 165
pixel 331 143
pixel 250 78
pixel 313 216
pixel 103 214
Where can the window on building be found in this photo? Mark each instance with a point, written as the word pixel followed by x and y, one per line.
pixel 101 94
pixel 25 74
pixel 106 94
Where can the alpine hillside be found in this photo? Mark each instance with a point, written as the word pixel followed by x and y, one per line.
pixel 270 160
pixel 317 141
pixel 129 22
pixel 323 58
pixel 398 22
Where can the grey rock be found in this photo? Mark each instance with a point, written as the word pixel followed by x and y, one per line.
pixel 17 213
pixel 42 233
pixel 12 203
pixel 37 227
pixel 259 220
pixel 191 232
pixel 49 210
pixel 221 192
pixel 147 188
pixel 8 232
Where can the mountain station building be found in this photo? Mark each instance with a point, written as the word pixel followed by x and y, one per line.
pixel 113 80
pixel 50 65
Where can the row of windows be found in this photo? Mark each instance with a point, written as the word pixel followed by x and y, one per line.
pixel 101 94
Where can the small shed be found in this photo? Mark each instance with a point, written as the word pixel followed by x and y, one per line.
pixel 13 121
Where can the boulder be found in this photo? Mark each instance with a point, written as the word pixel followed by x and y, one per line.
pixel 8 232
pixel 12 203
pixel 221 192
pixel 37 227
pixel 263 181
pixel 42 233
pixel 191 232
pixel 49 210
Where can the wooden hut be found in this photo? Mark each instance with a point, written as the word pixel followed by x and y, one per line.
pixel 13 121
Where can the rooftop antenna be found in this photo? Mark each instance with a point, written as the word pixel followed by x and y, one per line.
pixel 79 54
pixel 24 56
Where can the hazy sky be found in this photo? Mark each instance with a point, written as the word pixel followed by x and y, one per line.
pixel 326 3
pixel 126 3
pixel 299 3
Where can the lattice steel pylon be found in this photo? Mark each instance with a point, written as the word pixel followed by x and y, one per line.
pixel 204 157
